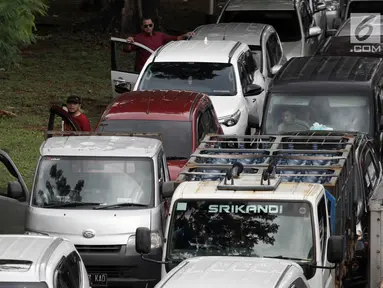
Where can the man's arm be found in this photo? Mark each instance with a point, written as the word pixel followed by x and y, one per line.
pixel 168 38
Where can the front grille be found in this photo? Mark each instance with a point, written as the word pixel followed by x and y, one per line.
pixel 98 248
pixel 112 271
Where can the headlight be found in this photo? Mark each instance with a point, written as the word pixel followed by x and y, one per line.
pixel 155 237
pixel 35 233
pixel 230 120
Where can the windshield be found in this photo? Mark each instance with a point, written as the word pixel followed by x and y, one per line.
pixel 286 22
pixel 93 180
pixel 365 7
pixel 215 79
pixel 240 228
pixel 176 136
pixel 303 113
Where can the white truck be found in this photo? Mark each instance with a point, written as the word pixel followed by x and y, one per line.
pixel 313 222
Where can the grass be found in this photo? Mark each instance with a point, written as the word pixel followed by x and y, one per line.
pixel 51 70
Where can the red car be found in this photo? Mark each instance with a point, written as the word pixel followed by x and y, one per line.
pixel 182 118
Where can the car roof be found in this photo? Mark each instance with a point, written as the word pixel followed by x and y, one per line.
pixel 345 29
pixel 248 5
pixel 155 105
pixel 197 51
pixel 304 72
pixel 224 271
pixel 36 249
pixel 101 146
pixel 249 33
pixel 284 191
pixel 341 46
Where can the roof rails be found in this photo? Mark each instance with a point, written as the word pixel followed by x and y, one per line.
pixel 83 133
pixel 232 51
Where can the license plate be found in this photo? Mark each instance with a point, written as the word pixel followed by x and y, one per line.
pixel 98 280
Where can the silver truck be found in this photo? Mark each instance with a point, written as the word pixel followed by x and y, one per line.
pixel 95 190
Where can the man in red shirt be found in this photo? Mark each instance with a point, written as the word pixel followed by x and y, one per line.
pixel 150 39
pixel 73 104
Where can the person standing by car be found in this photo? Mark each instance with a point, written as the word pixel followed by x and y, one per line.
pixel 73 104
pixel 150 39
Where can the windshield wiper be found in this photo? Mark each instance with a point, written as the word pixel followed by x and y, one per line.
pixel 286 258
pixel 70 204
pixel 118 205
pixel 176 158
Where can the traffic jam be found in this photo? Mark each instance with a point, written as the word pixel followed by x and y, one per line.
pixel 247 154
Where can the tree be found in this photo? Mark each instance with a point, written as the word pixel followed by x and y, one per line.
pixel 17 24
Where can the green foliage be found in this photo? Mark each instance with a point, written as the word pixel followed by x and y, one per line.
pixel 17 24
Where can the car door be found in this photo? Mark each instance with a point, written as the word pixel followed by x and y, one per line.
pixel 311 44
pixel 56 112
pixel 123 72
pixel 14 197
pixel 275 57
pixel 246 79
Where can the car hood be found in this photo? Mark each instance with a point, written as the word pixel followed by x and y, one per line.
pixel 111 227
pixel 292 49
pixel 225 105
pixel 175 167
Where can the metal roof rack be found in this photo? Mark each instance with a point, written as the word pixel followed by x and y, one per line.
pixel 314 157
pixel 83 133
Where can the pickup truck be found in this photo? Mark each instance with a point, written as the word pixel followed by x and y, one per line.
pixel 343 166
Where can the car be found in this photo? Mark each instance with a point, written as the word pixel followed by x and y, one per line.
pixel 224 70
pixel 182 118
pixel 337 93
pixel 262 39
pixel 94 190
pixel 225 271
pixel 340 44
pixel 40 262
pixel 300 33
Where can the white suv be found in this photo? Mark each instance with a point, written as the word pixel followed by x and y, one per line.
pixel 224 70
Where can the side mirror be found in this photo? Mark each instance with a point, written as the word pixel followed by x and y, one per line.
pixel 320 7
pixel 167 189
pixel 143 241
pixel 253 122
pixel 253 90
pixel 335 249
pixel 315 31
pixel 275 69
pixel 123 87
pixel 15 191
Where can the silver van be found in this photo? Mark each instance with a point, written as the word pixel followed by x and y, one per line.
pixel 294 20
pixel 95 191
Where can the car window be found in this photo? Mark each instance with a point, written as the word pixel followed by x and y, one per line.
pixel 274 49
pixel 322 219
pixel 243 75
pixel 161 168
pixel 68 272
pixel 200 129
pixel 207 117
pixel 299 283
pixel 306 17
pixel 371 171
pixel 250 62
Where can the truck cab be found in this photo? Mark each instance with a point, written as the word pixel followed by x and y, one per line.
pixel 95 191
pixel 249 217
pixel 183 118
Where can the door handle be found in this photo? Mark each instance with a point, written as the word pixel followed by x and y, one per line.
pixel 118 81
pixel 255 99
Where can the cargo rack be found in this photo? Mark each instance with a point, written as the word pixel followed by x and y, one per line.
pixel 315 157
